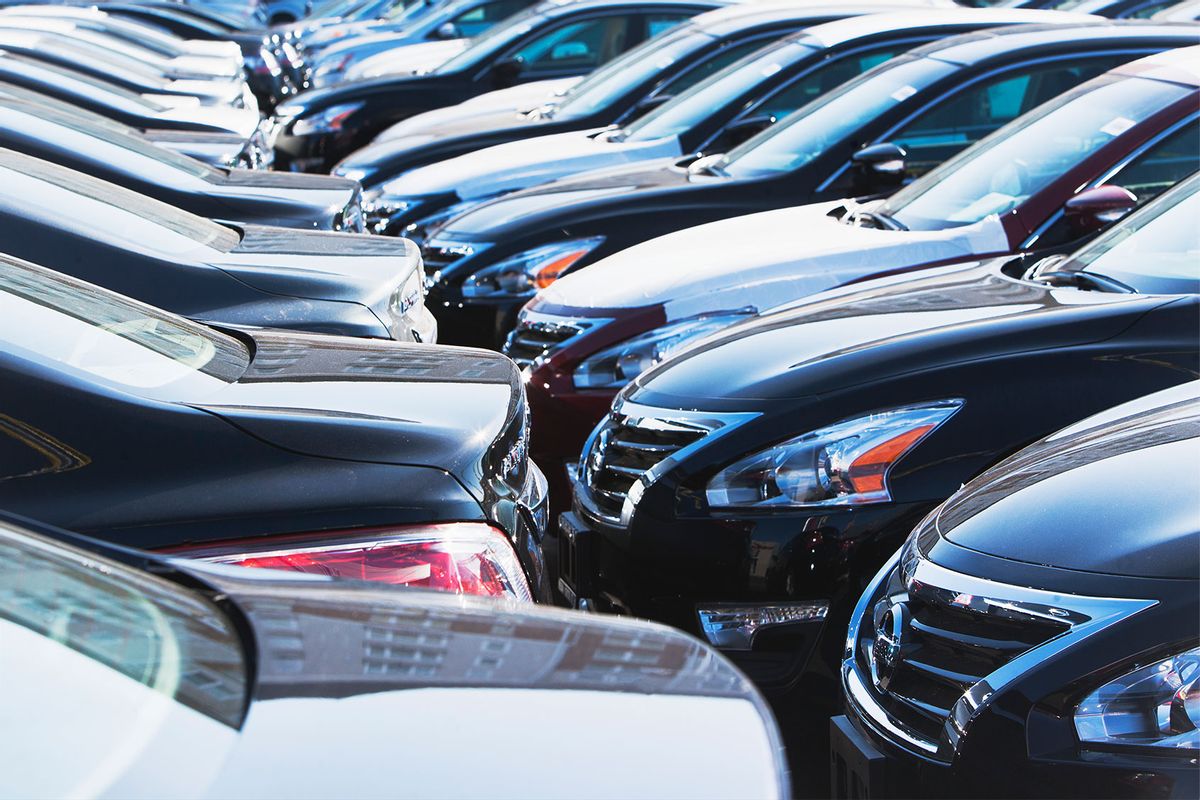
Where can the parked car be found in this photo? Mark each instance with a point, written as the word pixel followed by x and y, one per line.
pixel 1047 612
pixel 1033 187
pixel 121 155
pixel 139 674
pixel 549 40
pixel 97 60
pixel 740 489
pixel 349 284
pixel 340 47
pixel 366 459
pixel 131 108
pixel 727 108
pixel 627 87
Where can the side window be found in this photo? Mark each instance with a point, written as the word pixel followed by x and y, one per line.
pixel 716 61
pixel 1152 172
pixel 577 47
pixel 1162 165
pixel 485 15
pixel 658 23
pixel 830 75
pixel 965 117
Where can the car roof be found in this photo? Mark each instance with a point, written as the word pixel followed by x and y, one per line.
pixel 554 8
pixel 1180 65
pixel 733 18
pixel 980 46
pixel 841 31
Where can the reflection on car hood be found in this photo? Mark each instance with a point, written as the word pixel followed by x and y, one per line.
pixel 407 59
pixel 241 121
pixel 520 98
pixel 1111 522
pixel 517 165
pixel 762 261
pixel 484 122
pixel 938 317
pixel 366 400
pixel 411 666
pixel 353 267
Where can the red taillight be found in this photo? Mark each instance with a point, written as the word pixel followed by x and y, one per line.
pixel 464 557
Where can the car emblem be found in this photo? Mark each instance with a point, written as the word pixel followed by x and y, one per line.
pixel 888 648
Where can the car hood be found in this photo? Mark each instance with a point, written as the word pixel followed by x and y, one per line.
pixel 518 165
pixel 936 318
pixel 180 112
pixel 372 401
pixel 1114 525
pixel 761 261
pixel 520 98
pixel 535 668
pixel 211 147
pixel 349 267
pixel 408 59
pixel 383 150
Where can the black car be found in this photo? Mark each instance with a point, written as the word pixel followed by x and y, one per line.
pixel 905 117
pixel 739 488
pixel 154 676
pixel 117 154
pixel 631 85
pixel 550 40
pixel 342 456
pixel 345 283
pixel 1037 633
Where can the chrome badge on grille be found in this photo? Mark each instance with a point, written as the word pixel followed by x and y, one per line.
pixel 887 650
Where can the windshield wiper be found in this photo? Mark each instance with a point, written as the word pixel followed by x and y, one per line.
pixel 877 219
pixel 1086 280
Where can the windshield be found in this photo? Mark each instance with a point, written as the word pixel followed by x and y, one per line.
pixel 80 327
pixel 714 93
pixel 131 623
pixel 807 133
pixel 491 40
pixel 197 230
pixel 1025 156
pixel 38 117
pixel 626 72
pixel 1155 251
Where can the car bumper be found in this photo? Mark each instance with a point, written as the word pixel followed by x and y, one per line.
pixel 564 419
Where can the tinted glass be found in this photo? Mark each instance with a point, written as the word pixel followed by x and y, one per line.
pixel 1012 164
pixel 88 330
pixel 809 132
pixel 478 19
pixel 486 44
pixel 702 100
pixel 146 628
pixel 709 65
pixel 578 46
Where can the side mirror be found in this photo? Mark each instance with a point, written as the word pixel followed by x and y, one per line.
pixel 447 30
pixel 878 168
pixel 1098 207
pixel 505 73
pixel 740 130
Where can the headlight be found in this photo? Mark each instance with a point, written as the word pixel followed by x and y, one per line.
pixel 1154 706
pixel 618 365
pixel 523 274
pixel 845 464
pixel 329 120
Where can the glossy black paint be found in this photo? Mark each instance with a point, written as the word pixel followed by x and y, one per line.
pixel 382 160
pixel 123 156
pixel 641 202
pixel 386 101
pixel 1063 354
pixel 252 275
pixel 383 434
pixel 1022 742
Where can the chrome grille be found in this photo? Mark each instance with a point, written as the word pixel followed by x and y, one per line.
pixel 624 448
pixel 538 335
pixel 928 646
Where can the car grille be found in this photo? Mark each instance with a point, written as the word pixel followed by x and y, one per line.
pixel 624 448
pixel 930 645
pixel 536 338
